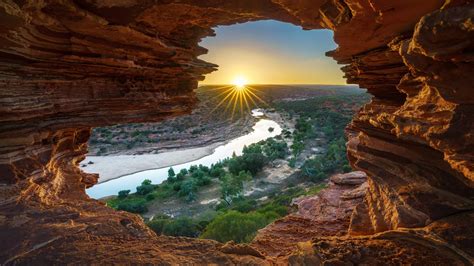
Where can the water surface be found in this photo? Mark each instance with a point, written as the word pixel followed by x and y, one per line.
pixel 157 176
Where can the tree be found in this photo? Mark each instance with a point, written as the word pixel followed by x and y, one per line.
pixel 193 168
pixel 203 168
pixel 251 162
pixel 252 148
pixel 183 171
pixel 123 194
pixel 188 190
pixel 180 176
pixel 145 188
pixel 171 175
pixel 297 147
pixel 203 181
pixel 232 186
pixel 216 171
pixel 171 172
pixel 275 149
pixel 198 174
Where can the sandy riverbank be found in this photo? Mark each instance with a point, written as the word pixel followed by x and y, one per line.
pixel 114 166
pixel 111 167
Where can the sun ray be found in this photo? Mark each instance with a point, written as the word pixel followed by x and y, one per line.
pixel 223 100
pixel 257 97
pixel 237 99
pixel 241 102
pixel 231 100
pixel 224 92
pixel 234 105
pixel 251 98
pixel 245 99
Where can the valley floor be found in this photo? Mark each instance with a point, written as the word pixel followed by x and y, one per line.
pixel 194 202
pixel 114 166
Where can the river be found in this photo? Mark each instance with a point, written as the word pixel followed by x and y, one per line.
pixel 260 132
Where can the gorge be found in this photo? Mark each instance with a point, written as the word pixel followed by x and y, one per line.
pixel 158 175
pixel 68 66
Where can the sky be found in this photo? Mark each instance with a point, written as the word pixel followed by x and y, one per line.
pixel 271 52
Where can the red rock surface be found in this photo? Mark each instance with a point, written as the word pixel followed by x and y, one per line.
pixel 66 66
pixel 325 214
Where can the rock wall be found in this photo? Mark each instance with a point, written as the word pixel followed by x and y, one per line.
pixel 326 214
pixel 69 65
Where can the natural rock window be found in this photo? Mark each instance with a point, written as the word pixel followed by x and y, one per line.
pixel 68 66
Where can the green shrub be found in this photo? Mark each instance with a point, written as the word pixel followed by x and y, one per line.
pixel 273 208
pixel 180 176
pixel 177 186
pixel 183 171
pixel 244 205
pixel 274 149
pixel 183 226
pixel 203 181
pixel 236 226
pixel 193 168
pixel 217 172
pixel 145 189
pixel 188 190
pixel 203 168
pixel 150 197
pixel 138 206
pixel 157 224
pixel 251 162
pixel 123 194
pixel 198 174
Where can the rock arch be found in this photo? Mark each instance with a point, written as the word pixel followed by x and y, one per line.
pixel 66 66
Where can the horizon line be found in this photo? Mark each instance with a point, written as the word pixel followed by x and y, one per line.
pixel 221 84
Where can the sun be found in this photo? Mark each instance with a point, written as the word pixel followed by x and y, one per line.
pixel 237 97
pixel 239 82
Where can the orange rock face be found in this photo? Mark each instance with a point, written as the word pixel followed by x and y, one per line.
pixel 66 66
pixel 326 214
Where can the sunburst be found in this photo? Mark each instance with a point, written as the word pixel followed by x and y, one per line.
pixel 238 97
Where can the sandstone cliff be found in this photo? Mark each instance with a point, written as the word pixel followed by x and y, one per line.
pixel 69 65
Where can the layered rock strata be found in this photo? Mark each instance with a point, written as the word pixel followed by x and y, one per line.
pixel 325 214
pixel 66 66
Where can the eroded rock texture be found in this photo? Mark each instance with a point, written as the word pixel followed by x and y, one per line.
pixel 66 66
pixel 325 214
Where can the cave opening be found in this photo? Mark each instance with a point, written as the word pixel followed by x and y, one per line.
pixel 269 125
